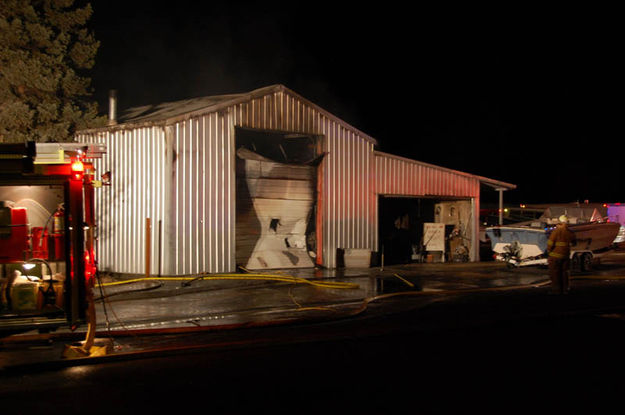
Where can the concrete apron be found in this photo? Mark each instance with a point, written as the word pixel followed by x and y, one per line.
pixel 200 304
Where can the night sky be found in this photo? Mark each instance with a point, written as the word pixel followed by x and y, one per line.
pixel 530 96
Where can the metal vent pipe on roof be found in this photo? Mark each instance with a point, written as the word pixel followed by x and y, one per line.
pixel 112 107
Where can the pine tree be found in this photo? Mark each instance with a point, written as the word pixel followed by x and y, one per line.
pixel 45 52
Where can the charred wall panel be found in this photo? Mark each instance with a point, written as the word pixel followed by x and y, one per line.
pixel 274 202
pixel 347 198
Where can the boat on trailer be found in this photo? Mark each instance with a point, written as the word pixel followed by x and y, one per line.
pixel 525 243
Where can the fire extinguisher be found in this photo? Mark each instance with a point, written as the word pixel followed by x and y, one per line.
pixel 58 230
pixel 39 238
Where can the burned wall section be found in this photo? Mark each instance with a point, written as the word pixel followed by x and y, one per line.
pixel 275 195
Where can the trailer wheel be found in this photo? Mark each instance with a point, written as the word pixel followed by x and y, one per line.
pixel 586 262
pixel 510 265
pixel 576 263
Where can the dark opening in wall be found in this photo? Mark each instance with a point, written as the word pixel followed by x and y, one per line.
pixel 400 224
pixel 279 147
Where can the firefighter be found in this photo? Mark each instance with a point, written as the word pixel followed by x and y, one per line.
pixel 559 249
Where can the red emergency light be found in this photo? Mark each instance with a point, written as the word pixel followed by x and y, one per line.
pixel 77 169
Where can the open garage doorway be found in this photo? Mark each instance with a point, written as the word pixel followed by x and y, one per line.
pixel 275 199
pixel 402 229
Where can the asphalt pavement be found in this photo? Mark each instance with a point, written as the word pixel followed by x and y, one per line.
pixel 132 312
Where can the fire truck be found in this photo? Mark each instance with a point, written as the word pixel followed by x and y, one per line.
pixel 47 231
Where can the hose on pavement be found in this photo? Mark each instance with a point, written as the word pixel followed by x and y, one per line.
pixel 243 277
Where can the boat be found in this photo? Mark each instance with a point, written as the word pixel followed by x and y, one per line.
pixel 525 243
pixel 616 213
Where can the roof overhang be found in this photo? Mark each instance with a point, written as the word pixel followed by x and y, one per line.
pixel 491 183
pixel 496 184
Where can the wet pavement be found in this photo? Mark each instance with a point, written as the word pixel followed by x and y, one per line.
pixel 257 298
pixel 145 315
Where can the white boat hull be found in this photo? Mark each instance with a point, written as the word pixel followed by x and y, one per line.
pixel 525 245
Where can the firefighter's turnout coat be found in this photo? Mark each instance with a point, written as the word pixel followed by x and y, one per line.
pixel 560 242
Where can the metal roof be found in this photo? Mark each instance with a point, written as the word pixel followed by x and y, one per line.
pixel 171 112
pixel 495 184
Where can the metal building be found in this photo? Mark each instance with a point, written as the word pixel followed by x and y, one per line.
pixel 261 179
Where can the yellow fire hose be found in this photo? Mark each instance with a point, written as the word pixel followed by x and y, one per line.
pixel 263 277
pixel 86 348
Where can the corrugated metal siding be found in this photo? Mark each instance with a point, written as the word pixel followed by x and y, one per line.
pixel 347 200
pixel 203 222
pixel 203 210
pixel 277 112
pixel 136 193
pixel 182 173
pixel 398 176
pixel 348 197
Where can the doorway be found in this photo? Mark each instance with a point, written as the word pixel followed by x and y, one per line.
pixel 275 199
pixel 400 227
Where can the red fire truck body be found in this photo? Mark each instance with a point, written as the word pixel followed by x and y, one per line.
pixel 47 230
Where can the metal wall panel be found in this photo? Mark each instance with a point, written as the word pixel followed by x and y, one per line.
pixel 203 210
pixel 348 196
pixel 399 176
pixel 136 158
pixel 181 174
pixel 347 199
